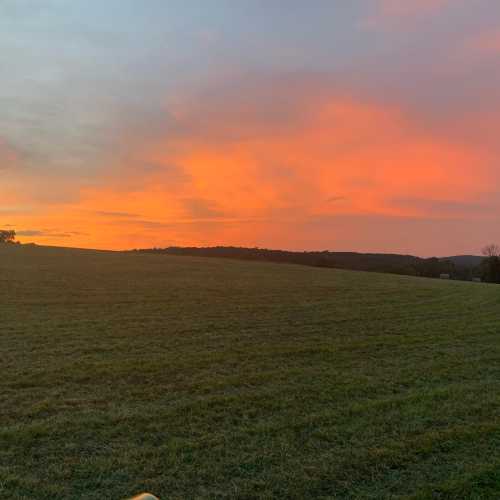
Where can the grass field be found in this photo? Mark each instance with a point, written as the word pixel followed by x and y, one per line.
pixel 204 378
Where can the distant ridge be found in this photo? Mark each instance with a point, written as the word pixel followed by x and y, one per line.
pixel 465 260
pixel 464 267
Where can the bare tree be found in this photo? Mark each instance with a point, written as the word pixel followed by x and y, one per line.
pixel 492 250
pixel 7 236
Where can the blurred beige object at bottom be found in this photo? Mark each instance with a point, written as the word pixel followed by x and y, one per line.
pixel 145 496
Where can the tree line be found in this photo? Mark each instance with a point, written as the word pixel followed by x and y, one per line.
pixel 456 268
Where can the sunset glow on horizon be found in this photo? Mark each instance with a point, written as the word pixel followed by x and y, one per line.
pixel 369 125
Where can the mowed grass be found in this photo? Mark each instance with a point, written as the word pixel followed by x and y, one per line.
pixel 203 378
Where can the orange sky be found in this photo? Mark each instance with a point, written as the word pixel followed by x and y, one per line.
pixel 394 150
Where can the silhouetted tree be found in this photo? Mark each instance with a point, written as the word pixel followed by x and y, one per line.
pixel 491 250
pixel 7 236
pixel 490 267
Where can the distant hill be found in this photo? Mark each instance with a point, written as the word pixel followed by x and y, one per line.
pixel 458 267
pixel 465 260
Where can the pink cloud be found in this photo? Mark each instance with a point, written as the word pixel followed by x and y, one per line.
pixel 484 45
pixel 406 8
pixel 396 13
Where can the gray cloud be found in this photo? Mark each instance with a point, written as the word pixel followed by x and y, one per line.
pixel 121 215
pixel 199 208
pixel 44 233
pixel 444 207
pixel 334 199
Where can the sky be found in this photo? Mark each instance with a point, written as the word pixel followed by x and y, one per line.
pixel 363 125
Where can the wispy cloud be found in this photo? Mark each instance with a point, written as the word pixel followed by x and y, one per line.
pixel 44 233
pixel 444 208
pixel 400 13
pixel 199 208
pixel 120 215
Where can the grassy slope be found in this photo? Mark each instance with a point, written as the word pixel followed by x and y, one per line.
pixel 204 378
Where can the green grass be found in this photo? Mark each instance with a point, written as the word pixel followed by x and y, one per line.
pixel 205 378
